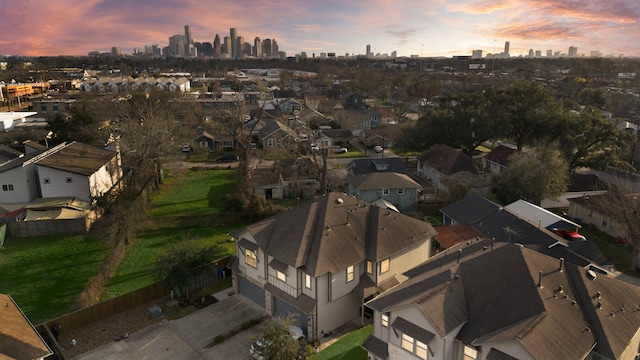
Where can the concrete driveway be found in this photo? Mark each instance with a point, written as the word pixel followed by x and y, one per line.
pixel 186 338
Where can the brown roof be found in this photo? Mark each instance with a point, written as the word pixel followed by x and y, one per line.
pixel 496 297
pixel 382 180
pixel 18 338
pixel 500 155
pixel 447 160
pixel 449 236
pixel 336 231
pixel 78 158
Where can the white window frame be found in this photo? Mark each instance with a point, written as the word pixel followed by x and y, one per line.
pixel 401 191
pixel 307 281
pixel 385 191
pixel 470 353
pixel 384 320
pixel 385 265
pixel 271 142
pixel 251 260
pixel 281 276
pixel 351 273
pixel 421 350
pixel 7 187
pixel 407 342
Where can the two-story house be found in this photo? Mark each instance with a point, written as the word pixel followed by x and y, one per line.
pixel 488 301
pixel 321 260
pixel 398 189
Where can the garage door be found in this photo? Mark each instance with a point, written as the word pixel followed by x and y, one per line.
pixel 284 309
pixel 252 291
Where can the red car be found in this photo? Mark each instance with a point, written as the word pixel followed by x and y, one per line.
pixel 569 235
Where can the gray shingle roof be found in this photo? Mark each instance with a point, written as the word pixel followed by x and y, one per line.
pixel 336 231
pixel 499 290
pixel 376 346
pixel 382 180
pixel 448 160
pixel 78 158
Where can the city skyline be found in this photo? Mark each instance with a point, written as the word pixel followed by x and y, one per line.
pixel 427 28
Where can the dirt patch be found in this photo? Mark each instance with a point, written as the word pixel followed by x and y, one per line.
pixel 106 331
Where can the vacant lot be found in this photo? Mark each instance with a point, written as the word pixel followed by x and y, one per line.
pixel 45 274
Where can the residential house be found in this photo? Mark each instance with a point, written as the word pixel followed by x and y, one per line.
pixel 504 301
pixel 356 120
pixel 7 154
pixel 501 225
pixel 321 260
pixel 290 106
pixel 307 116
pixel 270 132
pixel 442 161
pixel 398 189
pixel 329 106
pixel 338 136
pixel 352 101
pixel 49 108
pixel 385 116
pixel 498 159
pixel 595 210
pixel 205 140
pixel 78 170
pixel 366 166
pixel 581 184
pixel 18 338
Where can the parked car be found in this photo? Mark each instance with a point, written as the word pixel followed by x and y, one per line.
pixel 227 158
pixel 378 148
pixel 186 148
pixel 259 346
pixel 315 147
pixel 569 235
pixel 340 150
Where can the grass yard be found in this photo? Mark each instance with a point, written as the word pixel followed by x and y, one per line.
pixel 45 274
pixel 136 270
pixel 348 347
pixel 194 192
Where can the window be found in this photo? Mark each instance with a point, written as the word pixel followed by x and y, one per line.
pixel 407 343
pixel 271 142
pixel 55 107
pixel 385 191
pixel 350 273
pixel 590 213
pixel 7 187
pixel 470 353
pixel 281 276
pixel 384 320
pixel 46 180
pixel 369 267
pixel 384 266
pixel 307 281
pixel 400 191
pixel 43 108
pixel 421 350
pixel 250 258
pixel 69 180
pixel 604 222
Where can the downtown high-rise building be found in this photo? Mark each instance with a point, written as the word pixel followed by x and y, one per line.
pixel 217 47
pixel 257 47
pixel 227 47
pixel 267 48
pixel 506 49
pixel 573 51
pixel 239 47
pixel 233 34
pixel 189 48
pixel 176 46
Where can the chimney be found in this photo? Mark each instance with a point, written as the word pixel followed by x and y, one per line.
pixel 561 265
pixel 540 279
pixel 459 255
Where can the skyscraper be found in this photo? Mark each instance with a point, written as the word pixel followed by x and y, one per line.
pixel 506 49
pixel 573 51
pixel 257 47
pixel 189 49
pixel 368 51
pixel 266 48
pixel 217 47
pixel 176 45
pixel 227 47
pixel 234 50
pixel 274 49
pixel 239 46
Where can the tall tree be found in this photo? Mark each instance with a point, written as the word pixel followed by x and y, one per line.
pixel 277 341
pixel 525 111
pixel 588 139
pixel 532 177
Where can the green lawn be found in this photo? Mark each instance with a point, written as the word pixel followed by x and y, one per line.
pixel 45 274
pixel 197 192
pixel 348 347
pixel 136 270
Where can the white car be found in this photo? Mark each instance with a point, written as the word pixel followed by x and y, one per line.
pixel 257 347
pixel 378 148
pixel 340 150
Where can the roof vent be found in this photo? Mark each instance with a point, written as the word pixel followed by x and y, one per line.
pixel 561 265
pixel 597 295
pixel 599 306
pixel 612 313
pixel 339 201
pixel 559 289
pixel 573 302
pixel 591 274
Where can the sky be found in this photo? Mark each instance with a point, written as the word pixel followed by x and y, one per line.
pixel 409 27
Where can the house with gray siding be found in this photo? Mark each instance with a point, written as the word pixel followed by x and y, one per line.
pixel 486 301
pixel 398 189
pixel 323 259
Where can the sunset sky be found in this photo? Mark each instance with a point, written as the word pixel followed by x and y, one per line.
pixel 418 27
